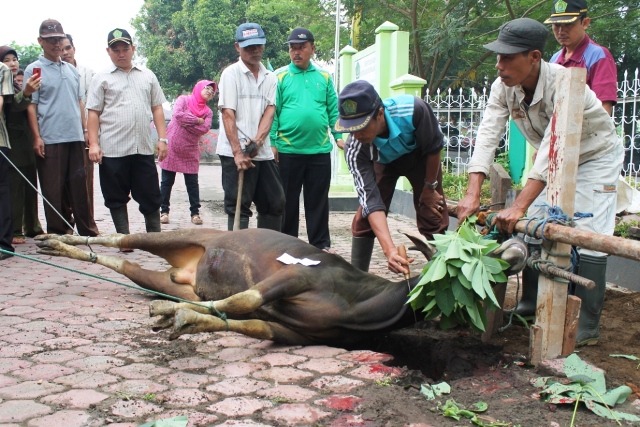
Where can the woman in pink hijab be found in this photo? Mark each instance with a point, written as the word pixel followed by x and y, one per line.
pixel 190 120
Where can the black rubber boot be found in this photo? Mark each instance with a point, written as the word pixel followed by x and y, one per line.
pixel 594 268
pixel 270 222
pixel 361 250
pixel 120 218
pixel 152 222
pixel 527 305
pixel 244 222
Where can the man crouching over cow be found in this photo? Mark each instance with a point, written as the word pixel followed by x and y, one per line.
pixel 396 137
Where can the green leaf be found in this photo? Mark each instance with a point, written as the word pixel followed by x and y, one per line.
pixel 492 265
pixel 447 322
pixel 474 315
pixel 479 407
pixel 626 356
pixel 453 250
pixel 462 294
pixel 465 282
pixel 605 412
pixel 445 300
pixel 477 281
pixel 574 366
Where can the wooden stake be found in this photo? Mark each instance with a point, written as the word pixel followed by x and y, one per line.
pixel 571 325
pixel 566 132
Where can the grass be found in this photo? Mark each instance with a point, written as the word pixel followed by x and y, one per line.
pixel 622 229
pixel 455 187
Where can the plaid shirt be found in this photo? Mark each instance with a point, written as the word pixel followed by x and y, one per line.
pixel 124 100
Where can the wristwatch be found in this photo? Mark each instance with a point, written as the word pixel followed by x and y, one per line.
pixel 165 140
pixel 432 185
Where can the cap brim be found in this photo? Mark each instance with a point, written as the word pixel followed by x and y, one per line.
pixel 354 125
pixel 561 19
pixel 251 42
pixel 127 41
pixel 298 41
pixel 507 49
pixel 48 36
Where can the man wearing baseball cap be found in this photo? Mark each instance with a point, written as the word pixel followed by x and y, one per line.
pixel 306 107
pixel 525 90
pixel 247 104
pixel 399 136
pixel 120 136
pixel 57 121
pixel 569 22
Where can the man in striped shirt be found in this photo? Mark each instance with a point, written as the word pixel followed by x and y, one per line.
pixel 120 102
pixel 399 136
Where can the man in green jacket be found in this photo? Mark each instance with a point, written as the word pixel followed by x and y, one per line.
pixel 306 110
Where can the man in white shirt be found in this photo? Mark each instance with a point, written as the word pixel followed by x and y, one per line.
pixel 247 105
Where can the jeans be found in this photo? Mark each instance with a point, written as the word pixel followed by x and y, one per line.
pixel 193 191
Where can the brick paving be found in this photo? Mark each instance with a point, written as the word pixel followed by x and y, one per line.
pixel 79 351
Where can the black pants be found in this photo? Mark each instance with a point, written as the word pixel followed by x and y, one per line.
pixel 414 168
pixel 136 175
pixel 6 224
pixel 262 186
pixel 310 173
pixel 193 190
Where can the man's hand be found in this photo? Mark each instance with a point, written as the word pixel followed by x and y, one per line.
pixel 243 161
pixel 32 85
pixel 506 219
pixel 38 147
pixel 95 153
pixel 340 143
pixel 397 263
pixel 432 200
pixel 469 205
pixel 162 150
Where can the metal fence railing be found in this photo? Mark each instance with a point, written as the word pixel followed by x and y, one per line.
pixel 460 112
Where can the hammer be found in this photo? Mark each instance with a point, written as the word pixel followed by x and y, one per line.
pixel 402 251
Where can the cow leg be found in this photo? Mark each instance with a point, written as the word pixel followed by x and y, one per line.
pixel 191 322
pixel 159 281
pixel 167 309
pixel 111 241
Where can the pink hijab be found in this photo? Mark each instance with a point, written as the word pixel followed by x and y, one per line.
pixel 197 104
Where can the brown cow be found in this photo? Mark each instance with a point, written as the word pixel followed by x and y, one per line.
pixel 237 273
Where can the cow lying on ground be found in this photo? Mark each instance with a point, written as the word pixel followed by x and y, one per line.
pixel 237 273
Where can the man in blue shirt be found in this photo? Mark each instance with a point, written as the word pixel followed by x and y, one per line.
pixel 390 139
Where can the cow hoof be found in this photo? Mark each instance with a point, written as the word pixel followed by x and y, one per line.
pixel 163 323
pixel 162 308
pixel 184 322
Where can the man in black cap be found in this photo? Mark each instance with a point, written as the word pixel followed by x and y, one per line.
pixel 120 101
pixel 306 108
pixel 569 22
pixel 57 122
pixel 399 136
pixel 525 90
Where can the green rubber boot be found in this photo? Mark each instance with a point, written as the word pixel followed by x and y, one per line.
pixel 152 222
pixel 361 250
pixel 120 217
pixel 244 222
pixel 527 305
pixel 594 268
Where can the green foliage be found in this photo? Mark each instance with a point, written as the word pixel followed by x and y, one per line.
pixel 452 409
pixel 622 228
pixel 455 187
pixel 456 283
pixel 27 53
pixel 186 41
pixel 587 385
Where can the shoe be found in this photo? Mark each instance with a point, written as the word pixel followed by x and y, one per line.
pixel 164 218
pixel 4 255
pixel 125 250
pixel 329 250
pixel 194 219
pixel 18 240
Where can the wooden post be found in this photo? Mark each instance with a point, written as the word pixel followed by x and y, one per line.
pixel 500 183
pixel 571 325
pixel 566 130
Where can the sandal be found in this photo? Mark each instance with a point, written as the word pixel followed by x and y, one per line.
pixel 196 219
pixel 330 250
pixel 164 218
pixel 18 240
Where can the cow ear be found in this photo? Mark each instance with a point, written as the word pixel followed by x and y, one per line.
pixel 420 244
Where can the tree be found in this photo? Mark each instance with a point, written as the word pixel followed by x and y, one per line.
pixel 26 53
pixel 447 36
pixel 184 42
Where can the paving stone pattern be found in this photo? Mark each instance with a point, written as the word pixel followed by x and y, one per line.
pixel 79 351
